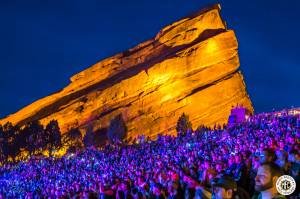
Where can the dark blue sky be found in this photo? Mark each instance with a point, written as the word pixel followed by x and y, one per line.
pixel 43 43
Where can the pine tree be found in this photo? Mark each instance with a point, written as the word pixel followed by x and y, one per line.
pixel 11 143
pixel 53 135
pixel 2 146
pixel 183 125
pixel 35 137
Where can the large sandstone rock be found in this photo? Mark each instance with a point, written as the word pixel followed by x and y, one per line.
pixel 191 66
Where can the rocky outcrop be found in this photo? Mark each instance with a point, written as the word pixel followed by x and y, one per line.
pixel 191 66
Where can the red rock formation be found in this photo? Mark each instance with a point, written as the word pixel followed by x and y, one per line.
pixel 191 66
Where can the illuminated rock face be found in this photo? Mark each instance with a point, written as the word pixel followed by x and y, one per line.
pixel 191 66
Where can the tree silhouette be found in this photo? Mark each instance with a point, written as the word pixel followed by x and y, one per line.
pixel 3 146
pixel 53 135
pixel 11 144
pixel 73 139
pixel 35 137
pixel 183 124
pixel 117 129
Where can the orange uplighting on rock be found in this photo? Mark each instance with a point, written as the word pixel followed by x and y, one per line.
pixel 191 66
pixel 211 46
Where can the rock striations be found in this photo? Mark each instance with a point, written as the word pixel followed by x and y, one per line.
pixel 191 66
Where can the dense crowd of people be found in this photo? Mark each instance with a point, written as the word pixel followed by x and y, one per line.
pixel 240 161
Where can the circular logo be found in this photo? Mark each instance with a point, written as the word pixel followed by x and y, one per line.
pixel 285 185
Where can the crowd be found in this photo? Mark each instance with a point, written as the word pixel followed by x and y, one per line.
pixel 240 161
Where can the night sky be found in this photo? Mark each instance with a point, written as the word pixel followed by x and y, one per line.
pixel 44 43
